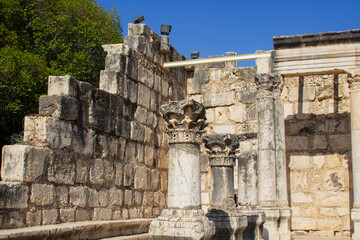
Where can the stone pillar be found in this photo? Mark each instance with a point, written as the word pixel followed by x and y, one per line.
pixel 221 149
pixel 183 219
pixel 272 180
pixel 354 81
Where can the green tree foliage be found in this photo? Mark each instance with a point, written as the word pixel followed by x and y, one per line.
pixel 48 37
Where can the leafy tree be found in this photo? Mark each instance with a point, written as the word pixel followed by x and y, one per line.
pixel 48 37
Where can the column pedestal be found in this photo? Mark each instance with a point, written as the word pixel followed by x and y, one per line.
pixel 183 219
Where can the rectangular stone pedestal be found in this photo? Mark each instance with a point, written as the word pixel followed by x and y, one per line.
pixel 228 224
pixel 255 219
pixel 182 224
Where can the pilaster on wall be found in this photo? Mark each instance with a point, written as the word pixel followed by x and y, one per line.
pixel 96 154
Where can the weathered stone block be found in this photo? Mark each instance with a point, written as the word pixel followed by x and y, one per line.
pixel 299 162
pixel 13 195
pixel 114 82
pixel 82 215
pixel 222 129
pixel 238 113
pixel 303 224
pixel 62 196
pixel 219 99
pixel 144 96
pixel 137 132
pixel 146 77
pixel 99 112
pixel 67 215
pixel 165 45
pixel 296 143
pixel 165 88
pixel 59 106
pixel 115 61
pixel 97 171
pixel 98 198
pixel 319 142
pixel 141 178
pixel 136 42
pixel 47 131
pixel 62 168
pixel 119 174
pixel 116 197
pixel 340 142
pixel 33 218
pixel 78 196
pixel 301 198
pixel 63 85
pixel 49 216
pixel 131 68
pixel 128 175
pixel 42 194
pixel 101 214
pixel 138 29
pixel 128 197
pixel 141 115
pixel 23 163
pixel 81 170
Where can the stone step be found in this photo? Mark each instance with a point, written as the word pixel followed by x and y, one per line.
pixel 144 236
pixel 82 230
pixel 319 238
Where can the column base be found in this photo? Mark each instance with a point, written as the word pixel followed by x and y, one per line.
pixel 277 224
pixel 355 217
pixel 228 224
pixel 181 224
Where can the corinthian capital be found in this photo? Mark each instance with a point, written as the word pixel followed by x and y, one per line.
pixel 354 80
pixel 221 148
pixel 185 121
pixel 269 84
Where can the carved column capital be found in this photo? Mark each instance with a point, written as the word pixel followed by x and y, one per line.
pixel 269 84
pixel 185 121
pixel 221 149
pixel 354 80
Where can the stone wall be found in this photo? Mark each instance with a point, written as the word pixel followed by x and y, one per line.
pixel 96 154
pixel 318 151
pixel 229 96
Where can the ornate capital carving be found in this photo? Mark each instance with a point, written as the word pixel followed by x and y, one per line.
pixel 185 121
pixel 269 84
pixel 354 80
pixel 221 148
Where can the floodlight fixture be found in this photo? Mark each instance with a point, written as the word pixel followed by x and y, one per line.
pixel 165 29
pixel 195 54
pixel 138 19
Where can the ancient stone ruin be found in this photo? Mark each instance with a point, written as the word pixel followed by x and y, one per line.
pixel 208 151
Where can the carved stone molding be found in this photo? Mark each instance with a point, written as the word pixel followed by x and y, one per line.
pixel 269 85
pixel 221 148
pixel 185 121
pixel 354 80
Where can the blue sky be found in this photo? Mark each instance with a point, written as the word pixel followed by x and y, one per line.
pixel 243 26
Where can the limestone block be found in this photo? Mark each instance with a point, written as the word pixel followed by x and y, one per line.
pixel 301 198
pixel 144 96
pixel 138 29
pixel 136 42
pixel 303 224
pixel 238 113
pixel 146 77
pixel 101 214
pixel 62 196
pixel 128 200
pixel 165 88
pixel 63 85
pixel 115 61
pixel 219 99
pixel 138 198
pixel 332 161
pixel 67 215
pixel 23 163
pixel 13 195
pixel 329 224
pixel 132 90
pixel 149 155
pixel 293 94
pixel 210 115
pixel 99 112
pixel 62 168
pixel 119 174
pixel 296 143
pixel 59 106
pixel 221 115
pixel 148 199
pixel 309 93
pixel 47 131
pixel 49 216
pixel 340 142
pixel 81 170
pixel 42 194
pixel 165 45
pixel 82 215
pixel 299 162
pixel 222 129
pixel 78 196
pixel 116 197
pixel 97 171
pixel 98 198
pixel 141 115
pixel 109 172
pixel 141 178
pixel 137 131
pixel 155 179
pixel 247 97
pixel 114 82
pixel 288 111
pixel 128 175
pixel 125 214
pixel 154 101
pixel 132 68
pixel 33 218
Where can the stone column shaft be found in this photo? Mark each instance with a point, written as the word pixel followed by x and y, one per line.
pixel 355 150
